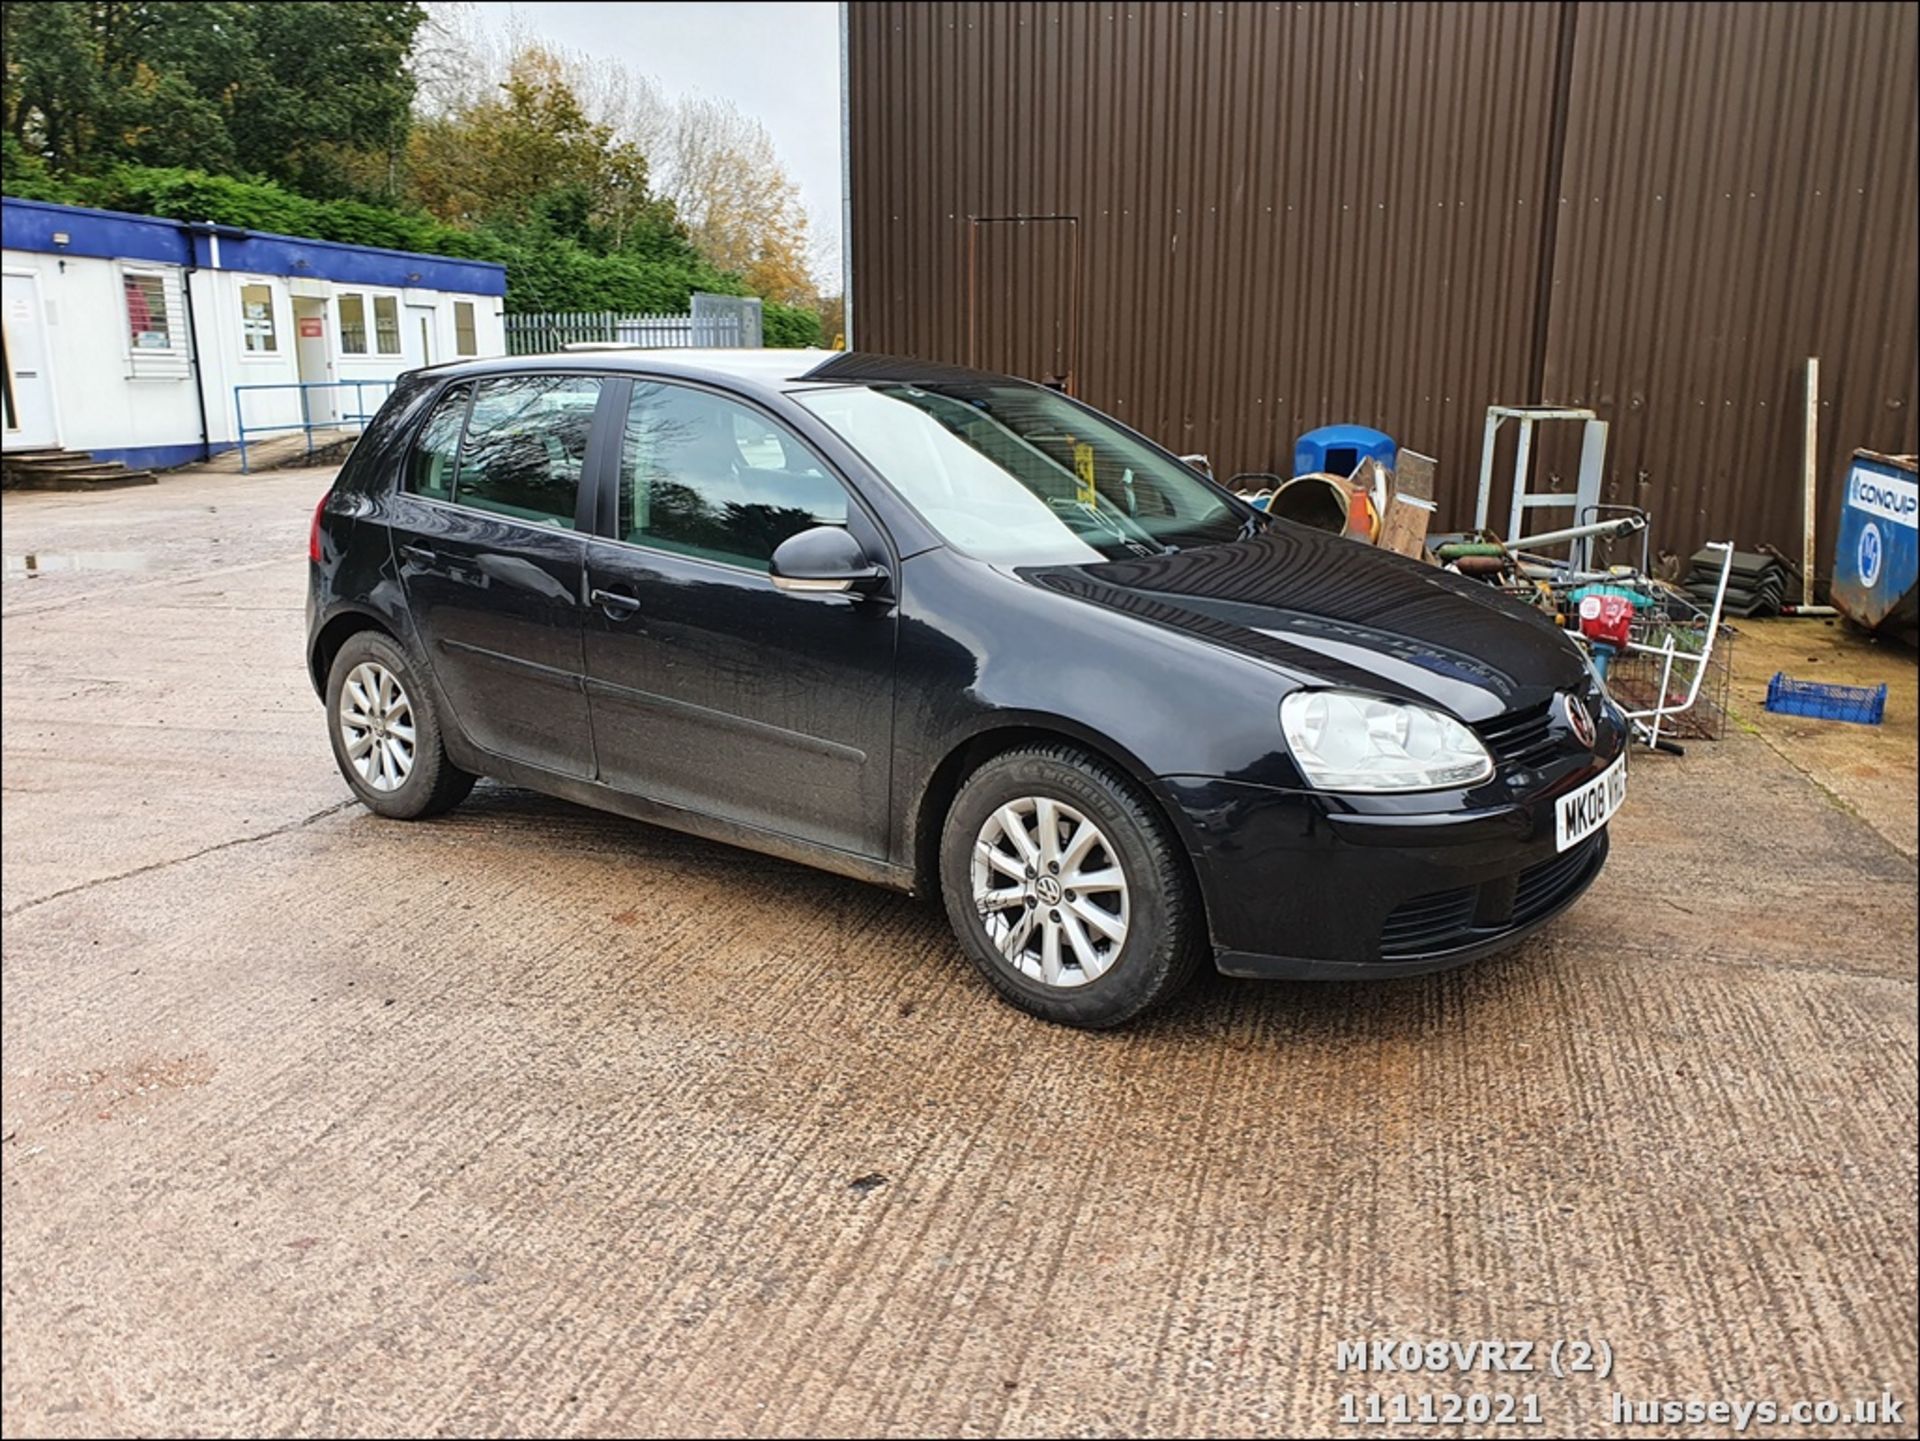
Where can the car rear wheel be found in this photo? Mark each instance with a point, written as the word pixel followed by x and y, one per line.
pixel 386 733
pixel 1066 888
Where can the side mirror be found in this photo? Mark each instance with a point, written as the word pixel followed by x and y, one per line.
pixel 825 558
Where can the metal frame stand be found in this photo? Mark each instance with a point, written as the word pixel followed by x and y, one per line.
pixel 1646 722
pixel 1593 456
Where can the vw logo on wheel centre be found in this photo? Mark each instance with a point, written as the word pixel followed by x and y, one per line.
pixel 1048 890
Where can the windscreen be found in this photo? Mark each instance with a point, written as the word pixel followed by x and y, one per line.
pixel 1023 476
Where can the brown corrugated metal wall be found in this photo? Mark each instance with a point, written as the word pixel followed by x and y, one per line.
pixel 1739 193
pixel 1289 215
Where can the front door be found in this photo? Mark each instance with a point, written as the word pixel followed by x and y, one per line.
pixel 711 689
pixel 313 358
pixel 419 335
pixel 28 400
pixel 491 562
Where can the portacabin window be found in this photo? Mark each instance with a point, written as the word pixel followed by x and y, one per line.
pixel 386 324
pixel 353 324
pixel 257 333
pixel 149 311
pixel 466 340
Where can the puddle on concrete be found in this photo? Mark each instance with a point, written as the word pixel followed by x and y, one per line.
pixel 29 567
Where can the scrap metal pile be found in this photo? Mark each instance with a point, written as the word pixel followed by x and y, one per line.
pixel 1661 649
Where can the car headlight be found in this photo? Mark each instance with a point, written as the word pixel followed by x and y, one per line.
pixel 1346 741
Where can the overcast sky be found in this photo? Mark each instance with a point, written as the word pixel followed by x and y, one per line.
pixel 780 63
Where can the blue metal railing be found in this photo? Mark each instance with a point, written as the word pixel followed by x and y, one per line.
pixel 343 419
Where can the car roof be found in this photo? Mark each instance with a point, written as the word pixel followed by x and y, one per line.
pixel 777 370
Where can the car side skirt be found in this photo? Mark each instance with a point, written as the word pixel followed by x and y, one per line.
pixel 694 823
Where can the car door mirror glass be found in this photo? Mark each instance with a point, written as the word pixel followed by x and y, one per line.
pixel 822 558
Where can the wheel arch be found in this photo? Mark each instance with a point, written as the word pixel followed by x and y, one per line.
pixel 1008 731
pixel 334 634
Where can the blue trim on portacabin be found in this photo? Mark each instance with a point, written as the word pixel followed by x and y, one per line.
pixel 104 234
pixel 360 264
pixel 159 457
pixel 115 235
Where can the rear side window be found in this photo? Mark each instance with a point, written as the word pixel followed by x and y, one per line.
pixel 515 446
pixel 526 445
pixel 708 477
pixel 430 467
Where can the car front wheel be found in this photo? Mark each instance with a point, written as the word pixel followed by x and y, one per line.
pixel 1067 889
pixel 386 733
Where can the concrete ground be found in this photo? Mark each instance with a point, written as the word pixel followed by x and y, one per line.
pixel 531 1119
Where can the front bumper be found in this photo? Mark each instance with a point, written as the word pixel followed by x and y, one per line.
pixel 1303 885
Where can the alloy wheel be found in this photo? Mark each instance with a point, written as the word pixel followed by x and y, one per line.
pixel 1050 891
pixel 376 722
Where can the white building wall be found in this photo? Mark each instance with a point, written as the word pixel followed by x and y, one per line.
pixel 108 396
pixel 225 363
pixel 99 401
pixel 228 364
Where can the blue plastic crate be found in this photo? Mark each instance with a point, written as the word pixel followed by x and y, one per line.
pixel 1861 704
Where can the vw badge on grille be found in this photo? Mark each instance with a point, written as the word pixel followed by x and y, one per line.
pixel 1579 720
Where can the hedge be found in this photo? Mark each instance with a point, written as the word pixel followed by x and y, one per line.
pixel 787 326
pixel 544 272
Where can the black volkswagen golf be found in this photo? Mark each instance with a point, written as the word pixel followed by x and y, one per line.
pixel 946 630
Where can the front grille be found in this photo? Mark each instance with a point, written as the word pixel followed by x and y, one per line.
pixel 1547 884
pixel 1522 738
pixel 1428 923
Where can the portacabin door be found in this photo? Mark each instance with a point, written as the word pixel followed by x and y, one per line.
pixel 710 689
pixel 487 540
pixel 29 418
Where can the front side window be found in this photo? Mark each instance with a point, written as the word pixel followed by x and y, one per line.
pixel 149 315
pixel 465 339
pixel 386 324
pixel 437 449
pixel 709 477
pixel 1021 475
pixel 353 325
pixel 257 334
pixel 525 446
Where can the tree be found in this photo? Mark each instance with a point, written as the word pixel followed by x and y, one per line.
pixel 740 207
pixel 833 321
pixel 53 82
pixel 303 94
pixel 717 169
pixel 528 154
pixel 333 94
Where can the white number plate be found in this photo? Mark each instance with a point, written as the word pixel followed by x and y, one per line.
pixel 1578 814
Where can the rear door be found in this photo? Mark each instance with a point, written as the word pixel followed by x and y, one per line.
pixel 492 561
pixel 711 689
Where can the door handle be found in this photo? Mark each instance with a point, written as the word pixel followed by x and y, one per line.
pixel 426 555
pixel 615 604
